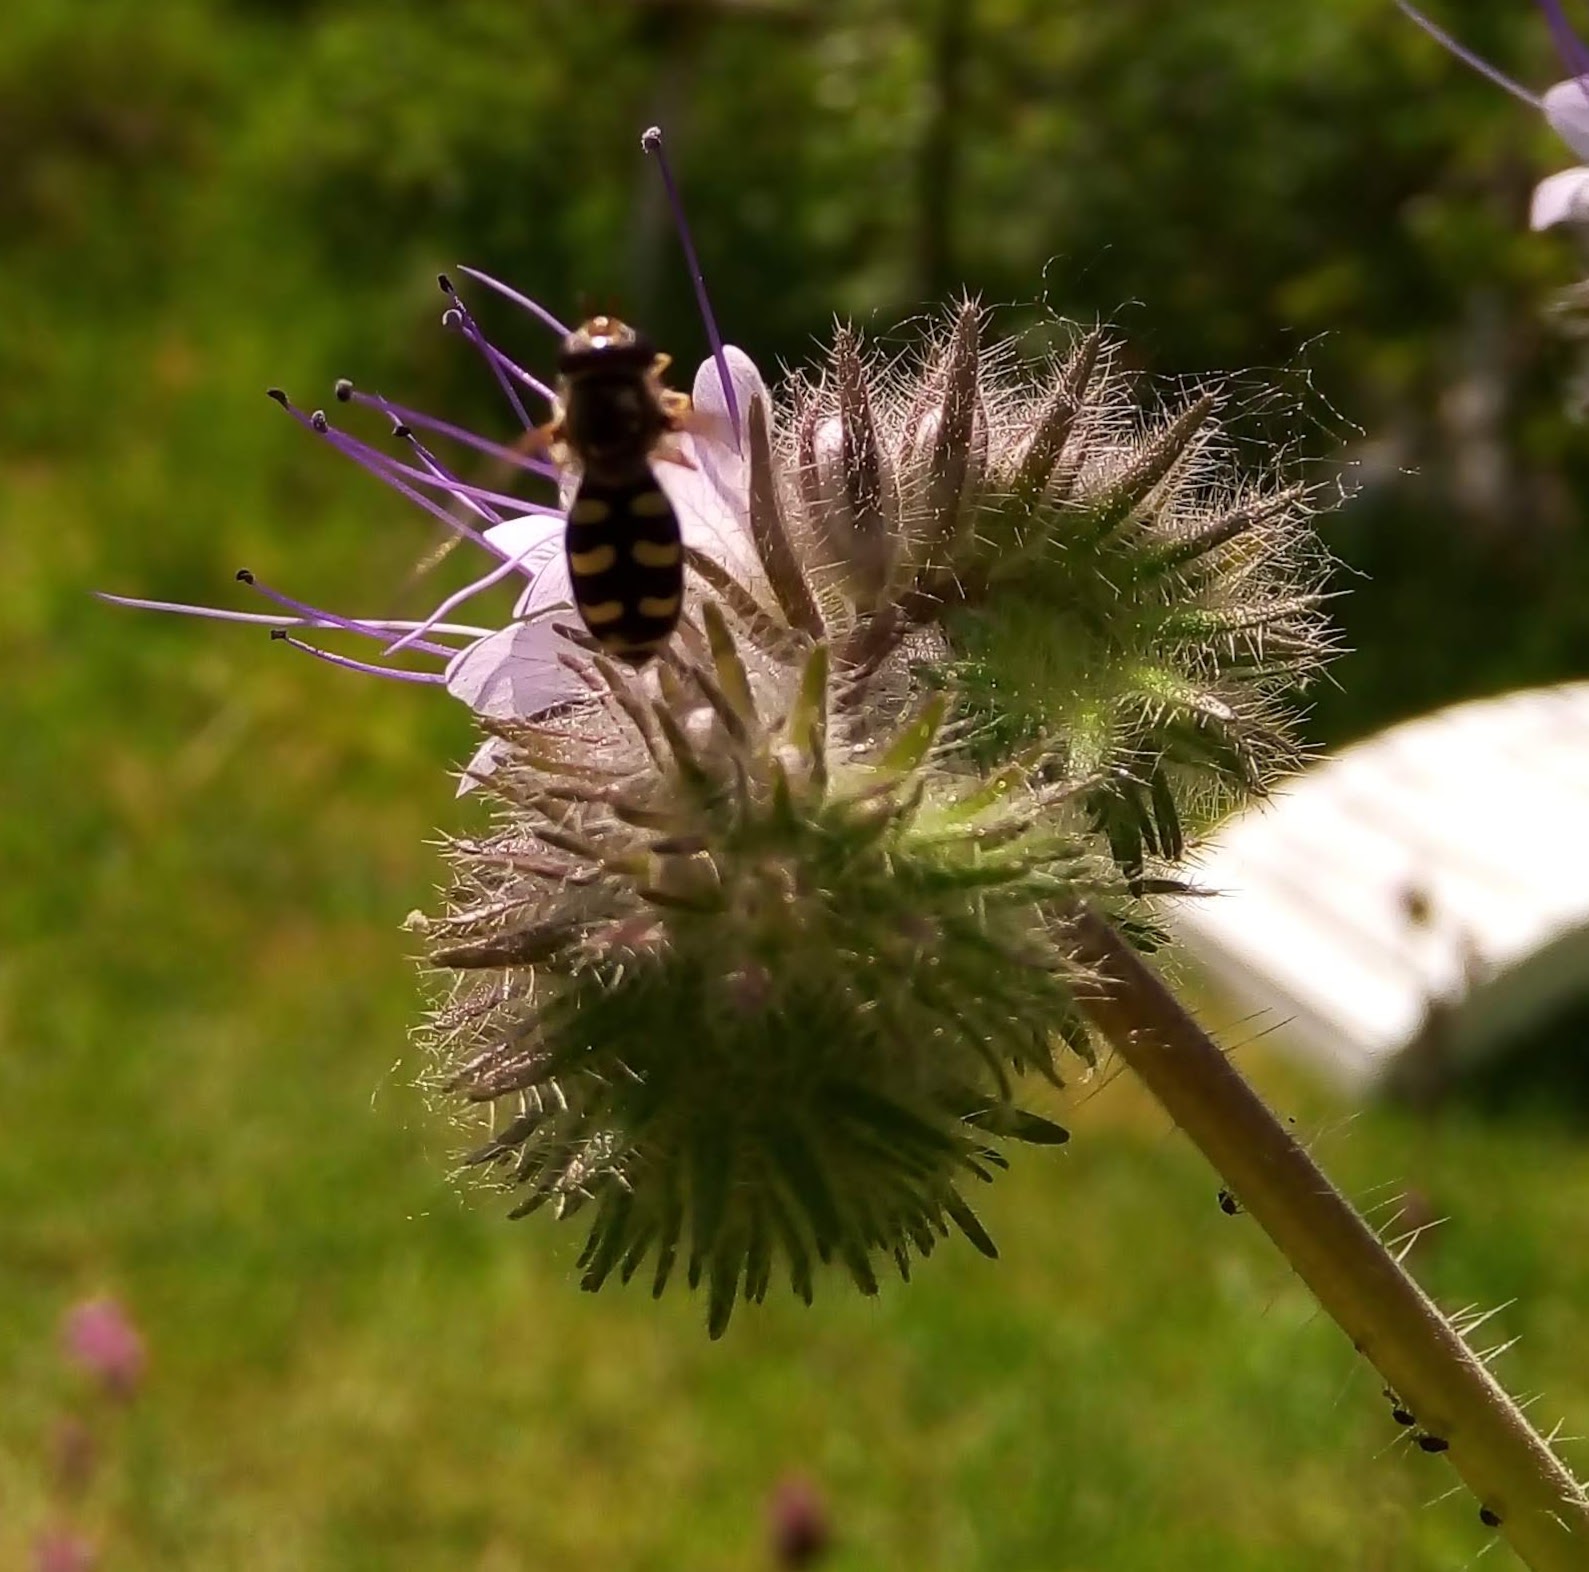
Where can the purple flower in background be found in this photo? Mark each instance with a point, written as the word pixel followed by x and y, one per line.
pixel 62 1550
pixel 99 1337
pixel 798 1526
pixel 1563 197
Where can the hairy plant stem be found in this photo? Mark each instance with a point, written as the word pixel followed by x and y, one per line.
pixel 1523 1487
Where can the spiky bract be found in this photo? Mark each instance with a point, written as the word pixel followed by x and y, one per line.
pixel 752 984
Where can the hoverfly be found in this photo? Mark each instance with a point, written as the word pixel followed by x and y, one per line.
pixel 625 552
pixel 611 421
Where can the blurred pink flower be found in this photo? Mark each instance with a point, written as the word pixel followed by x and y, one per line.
pixel 62 1550
pixel 98 1336
pixel 797 1520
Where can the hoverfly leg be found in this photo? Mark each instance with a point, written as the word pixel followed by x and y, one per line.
pixel 668 451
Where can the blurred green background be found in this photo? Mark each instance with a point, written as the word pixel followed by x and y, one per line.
pixel 208 843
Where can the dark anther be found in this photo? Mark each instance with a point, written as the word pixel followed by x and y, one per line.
pixel 1489 1517
pixel 1228 1203
pixel 446 284
pixel 318 420
pixel 279 396
pixel 278 633
pixel 344 389
pixel 403 430
pixel 651 139
pixel 1402 1416
pixel 244 576
pixel 1434 1443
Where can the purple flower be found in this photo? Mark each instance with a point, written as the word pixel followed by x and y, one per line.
pixel 526 667
pixel 1563 197
pixel 99 1337
pixel 62 1550
pixel 798 1525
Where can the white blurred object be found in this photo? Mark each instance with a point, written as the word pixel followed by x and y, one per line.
pixel 1427 888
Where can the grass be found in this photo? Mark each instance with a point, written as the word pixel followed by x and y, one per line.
pixel 355 1366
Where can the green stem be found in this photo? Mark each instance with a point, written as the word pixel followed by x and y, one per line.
pixel 1539 1507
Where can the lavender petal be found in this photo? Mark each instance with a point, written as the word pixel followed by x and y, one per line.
pixel 515 673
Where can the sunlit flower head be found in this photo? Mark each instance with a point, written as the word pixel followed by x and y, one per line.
pixel 1113 592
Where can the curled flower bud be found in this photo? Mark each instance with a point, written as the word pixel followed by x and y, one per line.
pixel 1113 592
pixel 846 483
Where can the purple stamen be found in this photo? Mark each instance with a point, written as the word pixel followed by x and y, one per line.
pixel 282 636
pixel 400 415
pixel 265 619
pixel 460 491
pixel 459 316
pixel 392 471
pixel 1466 55
pixel 457 598
pixel 535 309
pixel 384 470
pixel 1571 47
pixel 440 471
pixel 651 141
pixel 315 617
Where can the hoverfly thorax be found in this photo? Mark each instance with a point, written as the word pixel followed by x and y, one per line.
pixel 613 412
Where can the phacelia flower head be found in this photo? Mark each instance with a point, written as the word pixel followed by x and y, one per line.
pixel 1561 198
pixel 767 935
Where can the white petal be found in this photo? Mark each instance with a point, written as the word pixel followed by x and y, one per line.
pixel 527 537
pixel 482 765
pixel 536 540
pixel 1561 199
pixel 1567 109
pixel 709 520
pixel 550 589
pixel 720 447
pixel 708 395
pixel 712 499
pixel 514 673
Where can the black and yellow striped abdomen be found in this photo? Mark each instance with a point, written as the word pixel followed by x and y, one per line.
pixel 626 564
